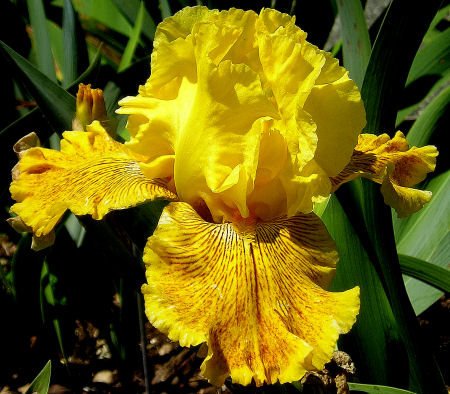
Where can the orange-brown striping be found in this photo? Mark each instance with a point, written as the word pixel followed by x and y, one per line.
pixel 246 295
pixel 92 186
pixel 406 166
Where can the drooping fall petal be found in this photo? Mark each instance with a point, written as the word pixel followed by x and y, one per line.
pixel 92 174
pixel 393 164
pixel 253 291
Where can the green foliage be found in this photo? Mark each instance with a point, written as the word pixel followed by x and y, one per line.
pixel 403 76
pixel 397 42
pixel 375 389
pixel 41 384
pixel 355 39
pixel 133 41
pixel 430 226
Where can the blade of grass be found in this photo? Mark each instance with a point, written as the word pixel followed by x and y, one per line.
pixel 75 50
pixel 57 105
pixel 375 389
pixel 114 45
pixel 38 22
pixel 34 119
pixel 90 74
pixel 103 11
pixel 442 14
pixel 56 42
pixel 143 341
pixel 433 58
pixel 75 230
pixel 133 41
pixel 424 127
pixel 355 39
pixel 437 86
pixel 41 383
pixel 47 284
pixel 393 52
pixel 426 272
pixel 165 8
pixel 129 9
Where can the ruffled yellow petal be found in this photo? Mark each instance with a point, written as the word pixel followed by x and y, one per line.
pixel 92 174
pixel 393 164
pixel 221 82
pixel 336 106
pixel 254 292
pixel 38 243
pixel 291 78
pixel 404 200
pixel 216 155
pixel 180 25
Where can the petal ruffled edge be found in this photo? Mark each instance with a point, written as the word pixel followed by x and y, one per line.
pixel 393 164
pixel 92 174
pixel 252 291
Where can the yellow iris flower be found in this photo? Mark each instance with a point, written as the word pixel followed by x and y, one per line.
pixel 244 125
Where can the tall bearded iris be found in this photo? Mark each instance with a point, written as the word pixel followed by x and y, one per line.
pixel 244 125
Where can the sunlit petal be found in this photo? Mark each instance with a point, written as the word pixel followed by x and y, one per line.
pixel 404 200
pixel 224 83
pixel 254 292
pixel 335 105
pixel 393 164
pixel 92 174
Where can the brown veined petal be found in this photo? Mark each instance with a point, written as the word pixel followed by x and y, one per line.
pixel 254 292
pixel 92 174
pixel 404 200
pixel 393 164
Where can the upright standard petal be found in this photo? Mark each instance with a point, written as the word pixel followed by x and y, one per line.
pixel 92 174
pixel 223 83
pixel 393 164
pixel 253 291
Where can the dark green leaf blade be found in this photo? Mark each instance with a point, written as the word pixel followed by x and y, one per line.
pixel 41 383
pixel 393 52
pixel 375 389
pixel 355 39
pixel 165 8
pixel 103 11
pixel 57 105
pixel 431 226
pixel 47 294
pixel 373 343
pixel 430 119
pixel 133 41
pixel 432 59
pixel 75 50
pixel 426 272
pixel 41 37
pixel 399 38
pixel 130 9
pixel 34 119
